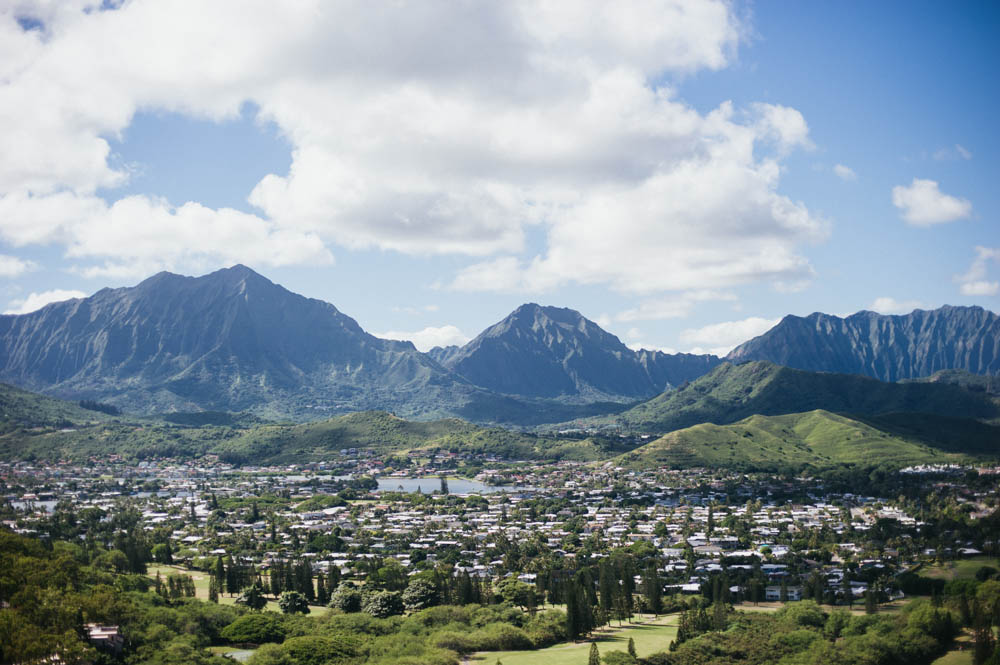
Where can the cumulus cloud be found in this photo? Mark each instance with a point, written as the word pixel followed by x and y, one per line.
pixel 429 128
pixel 721 338
pixel 11 266
pixel 844 172
pixel 429 337
pixel 889 305
pixel 975 281
pixel 924 204
pixel 36 301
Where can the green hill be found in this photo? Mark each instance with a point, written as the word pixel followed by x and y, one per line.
pixel 21 409
pixel 35 427
pixel 793 441
pixel 732 392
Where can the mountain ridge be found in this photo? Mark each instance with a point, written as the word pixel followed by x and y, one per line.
pixel 885 347
pixel 731 392
pixel 546 351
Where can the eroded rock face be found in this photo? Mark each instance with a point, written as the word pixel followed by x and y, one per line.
pixel 228 340
pixel 889 348
pixel 541 351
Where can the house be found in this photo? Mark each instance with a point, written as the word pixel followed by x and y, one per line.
pixel 773 593
pixel 106 638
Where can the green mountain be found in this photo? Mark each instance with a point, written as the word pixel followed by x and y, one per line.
pixel 37 427
pixel 21 409
pixel 793 441
pixel 732 392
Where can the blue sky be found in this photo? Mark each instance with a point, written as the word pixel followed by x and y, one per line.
pixel 684 174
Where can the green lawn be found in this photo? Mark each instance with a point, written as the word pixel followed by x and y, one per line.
pixel 960 654
pixel 651 637
pixel 963 569
pixel 201 586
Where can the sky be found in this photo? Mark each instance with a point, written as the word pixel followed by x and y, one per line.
pixel 685 173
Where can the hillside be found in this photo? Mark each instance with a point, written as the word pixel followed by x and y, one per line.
pixel 555 352
pixel 36 427
pixel 732 392
pixel 889 348
pixel 24 409
pixel 812 439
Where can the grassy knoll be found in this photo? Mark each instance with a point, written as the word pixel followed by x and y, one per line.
pixel 962 569
pixel 652 636
pixel 815 438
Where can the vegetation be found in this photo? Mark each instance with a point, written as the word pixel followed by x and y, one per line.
pixel 730 393
pixel 815 439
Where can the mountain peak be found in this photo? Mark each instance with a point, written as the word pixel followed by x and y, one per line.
pixel 546 351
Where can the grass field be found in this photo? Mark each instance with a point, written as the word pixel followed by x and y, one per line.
pixel 960 654
pixel 963 569
pixel 201 586
pixel 652 636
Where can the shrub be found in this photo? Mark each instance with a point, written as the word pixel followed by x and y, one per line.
pixel 256 628
pixel 617 658
pixel 382 604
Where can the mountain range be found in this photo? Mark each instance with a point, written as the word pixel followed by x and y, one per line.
pixel 885 347
pixel 233 340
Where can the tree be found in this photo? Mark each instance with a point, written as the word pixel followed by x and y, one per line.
pixel 382 604
pixel 516 592
pixel 213 590
pixel 255 600
pixel 608 587
pixel 652 589
pixel 420 594
pixel 982 632
pixel 293 602
pixel 444 484
pixel 871 606
pixel 346 598
pixel 631 647
pixel 595 655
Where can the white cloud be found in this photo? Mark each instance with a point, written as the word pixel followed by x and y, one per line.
pixel 138 235
pixel 784 125
pixel 975 281
pixel 11 266
pixel 844 172
pixel 721 338
pixel 889 305
pixel 674 307
pixel 425 128
pixel 429 337
pixel 955 152
pixel 924 204
pixel 36 301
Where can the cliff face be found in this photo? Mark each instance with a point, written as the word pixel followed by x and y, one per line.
pixel 889 348
pixel 541 351
pixel 230 340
